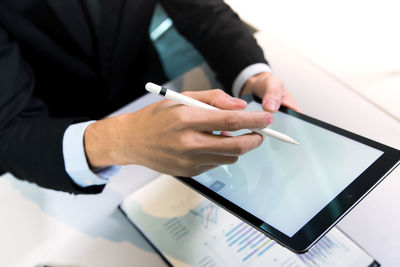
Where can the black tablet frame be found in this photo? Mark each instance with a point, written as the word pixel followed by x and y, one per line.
pixel 335 210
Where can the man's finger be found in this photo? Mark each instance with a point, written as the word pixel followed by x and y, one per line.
pixel 225 120
pixel 272 97
pixel 218 98
pixel 207 159
pixel 230 146
pixel 289 101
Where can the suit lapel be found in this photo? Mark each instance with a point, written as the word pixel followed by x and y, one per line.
pixel 71 15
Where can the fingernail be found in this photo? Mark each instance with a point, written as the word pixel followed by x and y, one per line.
pixel 270 119
pixel 271 104
pixel 238 101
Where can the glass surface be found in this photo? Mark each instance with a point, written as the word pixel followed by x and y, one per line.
pixel 286 185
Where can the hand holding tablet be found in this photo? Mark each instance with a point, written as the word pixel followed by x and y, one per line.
pixel 295 194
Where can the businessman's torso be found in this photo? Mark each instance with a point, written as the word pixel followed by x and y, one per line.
pixel 73 65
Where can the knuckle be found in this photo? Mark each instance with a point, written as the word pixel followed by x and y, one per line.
pixel 239 148
pixel 274 80
pixel 186 164
pixel 181 116
pixel 274 93
pixel 276 89
pixel 279 83
pixel 184 144
pixel 232 122
pixel 219 93
pixel 217 96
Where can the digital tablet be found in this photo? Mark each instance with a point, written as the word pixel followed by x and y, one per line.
pixel 295 194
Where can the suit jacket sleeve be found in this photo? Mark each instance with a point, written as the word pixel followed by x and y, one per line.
pixel 29 138
pixel 219 35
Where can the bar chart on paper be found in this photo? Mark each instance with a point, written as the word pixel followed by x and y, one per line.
pixel 250 243
pixel 191 231
pixel 250 246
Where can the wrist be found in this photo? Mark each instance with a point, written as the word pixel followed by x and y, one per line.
pixel 250 83
pixel 99 144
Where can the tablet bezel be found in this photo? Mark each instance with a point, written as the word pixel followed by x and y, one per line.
pixel 330 215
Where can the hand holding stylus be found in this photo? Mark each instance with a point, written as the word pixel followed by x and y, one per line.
pixel 176 139
pixel 185 100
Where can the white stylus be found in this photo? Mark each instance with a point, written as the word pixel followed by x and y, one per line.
pixel 185 100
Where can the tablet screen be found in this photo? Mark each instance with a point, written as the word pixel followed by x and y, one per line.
pixel 286 185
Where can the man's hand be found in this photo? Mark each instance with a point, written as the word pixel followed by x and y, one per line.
pixel 176 139
pixel 271 90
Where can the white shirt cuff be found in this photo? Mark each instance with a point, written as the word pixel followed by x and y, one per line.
pixel 245 74
pixel 75 161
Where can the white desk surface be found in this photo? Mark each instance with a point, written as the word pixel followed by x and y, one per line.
pixel 374 223
pixel 357 42
pixel 48 227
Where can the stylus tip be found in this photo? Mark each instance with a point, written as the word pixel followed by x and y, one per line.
pixel 294 142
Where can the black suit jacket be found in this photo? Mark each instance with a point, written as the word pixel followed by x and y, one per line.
pixel 54 71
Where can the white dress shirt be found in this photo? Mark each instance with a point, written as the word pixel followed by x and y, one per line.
pixel 75 161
